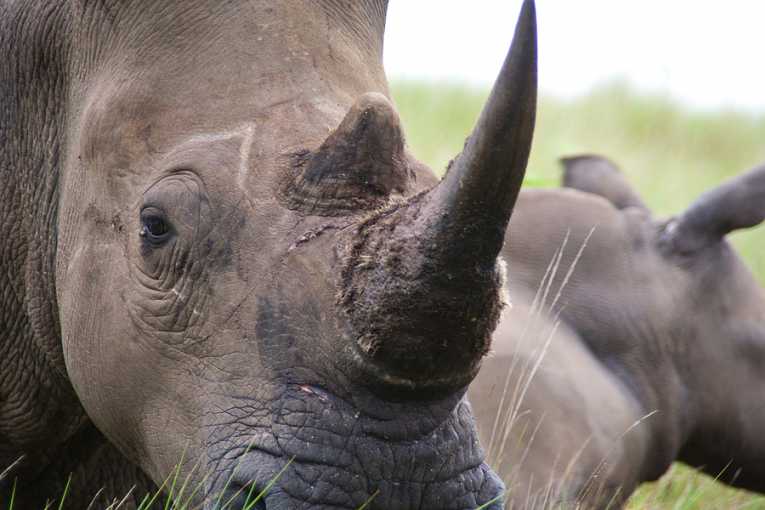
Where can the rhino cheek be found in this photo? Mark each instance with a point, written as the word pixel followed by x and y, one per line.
pixel 122 384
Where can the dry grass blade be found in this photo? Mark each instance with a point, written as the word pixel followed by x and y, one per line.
pixel 10 468
pixel 124 500
pixel 95 498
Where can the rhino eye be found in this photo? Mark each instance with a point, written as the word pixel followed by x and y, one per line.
pixel 155 228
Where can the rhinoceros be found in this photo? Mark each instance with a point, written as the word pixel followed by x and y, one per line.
pixel 220 263
pixel 633 342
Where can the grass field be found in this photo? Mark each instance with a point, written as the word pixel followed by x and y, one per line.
pixel 670 153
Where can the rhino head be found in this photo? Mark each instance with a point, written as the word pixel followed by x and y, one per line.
pixel 251 270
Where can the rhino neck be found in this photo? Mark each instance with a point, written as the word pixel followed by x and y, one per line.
pixel 39 410
pixel 703 376
pixel 726 374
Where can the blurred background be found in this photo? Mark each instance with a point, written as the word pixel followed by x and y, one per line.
pixel 672 91
pixel 704 54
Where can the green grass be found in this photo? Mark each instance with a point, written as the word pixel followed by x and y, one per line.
pixel 670 153
pixel 177 499
pixel 683 488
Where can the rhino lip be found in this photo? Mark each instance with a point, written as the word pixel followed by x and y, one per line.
pixel 383 382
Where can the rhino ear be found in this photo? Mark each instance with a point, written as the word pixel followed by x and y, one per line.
pixel 737 203
pixel 598 175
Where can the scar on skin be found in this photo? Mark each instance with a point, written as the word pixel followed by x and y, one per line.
pixel 310 391
pixel 244 153
pixel 246 132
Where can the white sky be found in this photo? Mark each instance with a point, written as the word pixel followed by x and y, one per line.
pixel 706 53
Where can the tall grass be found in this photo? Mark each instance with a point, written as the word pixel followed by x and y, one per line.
pixel 175 498
pixel 670 153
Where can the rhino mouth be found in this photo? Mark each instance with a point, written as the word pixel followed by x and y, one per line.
pixel 379 377
pixel 323 452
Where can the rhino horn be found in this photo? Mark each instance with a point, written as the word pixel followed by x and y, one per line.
pixel 360 165
pixel 477 195
pixel 423 286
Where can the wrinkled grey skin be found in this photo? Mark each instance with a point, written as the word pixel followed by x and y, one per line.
pixel 215 250
pixel 659 353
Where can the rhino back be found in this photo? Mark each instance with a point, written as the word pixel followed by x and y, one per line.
pixel 614 289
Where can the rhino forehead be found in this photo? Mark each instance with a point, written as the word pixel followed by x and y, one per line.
pixel 163 77
pixel 123 122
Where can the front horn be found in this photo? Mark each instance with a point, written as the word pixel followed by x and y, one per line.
pixel 422 288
